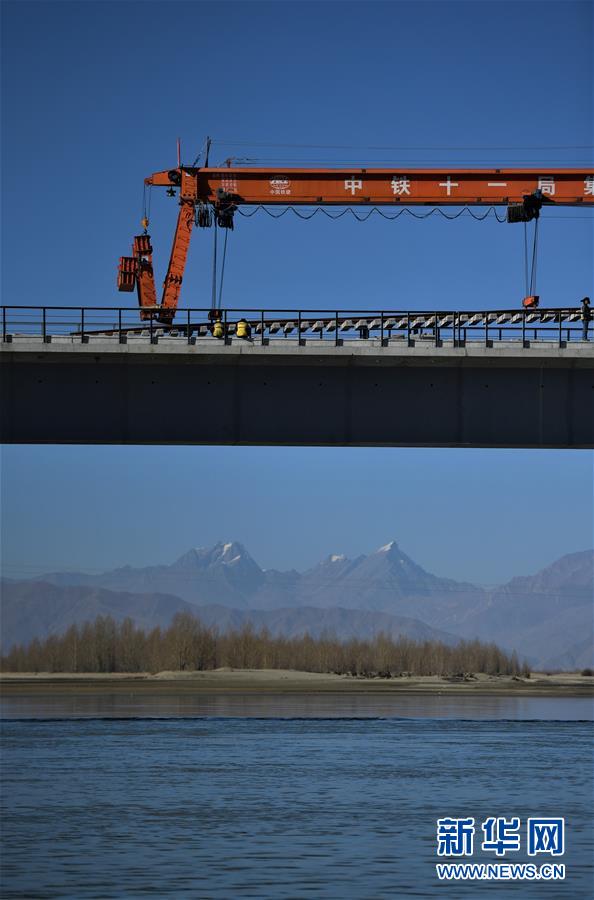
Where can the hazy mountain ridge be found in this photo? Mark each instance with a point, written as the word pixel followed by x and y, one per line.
pixel 336 621
pixel 387 580
pixel 546 616
pixel 225 574
pixel 551 612
pixel 36 609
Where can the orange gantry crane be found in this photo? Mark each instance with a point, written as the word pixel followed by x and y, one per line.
pixel 212 195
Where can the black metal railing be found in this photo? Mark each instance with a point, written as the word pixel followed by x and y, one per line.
pixel 384 327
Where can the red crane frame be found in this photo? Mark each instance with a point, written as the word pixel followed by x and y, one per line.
pixel 215 193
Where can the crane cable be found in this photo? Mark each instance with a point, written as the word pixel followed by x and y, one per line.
pixel 374 209
pixel 526 282
pixel 213 299
pixel 223 269
pixel 147 195
pixel 217 301
pixel 534 259
pixel 530 276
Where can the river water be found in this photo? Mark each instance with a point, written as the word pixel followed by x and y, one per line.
pixel 291 797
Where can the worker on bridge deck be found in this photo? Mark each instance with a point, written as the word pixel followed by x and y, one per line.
pixel 243 329
pixel 217 327
pixel 586 315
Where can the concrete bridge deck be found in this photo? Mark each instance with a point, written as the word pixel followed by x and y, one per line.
pixel 363 393
pixel 360 351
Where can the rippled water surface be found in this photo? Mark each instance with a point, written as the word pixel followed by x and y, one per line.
pixel 137 703
pixel 242 807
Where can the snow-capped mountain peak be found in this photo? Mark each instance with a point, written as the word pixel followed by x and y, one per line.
pixel 222 554
pixel 386 548
pixel 228 552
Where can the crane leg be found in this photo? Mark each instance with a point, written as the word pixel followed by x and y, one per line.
pixel 177 263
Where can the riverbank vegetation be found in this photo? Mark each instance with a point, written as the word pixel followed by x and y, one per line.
pixel 187 645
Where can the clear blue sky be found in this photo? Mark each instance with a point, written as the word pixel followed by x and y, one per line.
pixel 94 96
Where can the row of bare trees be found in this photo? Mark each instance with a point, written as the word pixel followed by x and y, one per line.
pixel 108 646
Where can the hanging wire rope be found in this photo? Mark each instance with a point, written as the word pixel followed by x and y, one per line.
pixel 223 269
pixel 530 271
pixel 213 302
pixel 534 260
pixel 526 282
pixel 364 216
pixel 147 195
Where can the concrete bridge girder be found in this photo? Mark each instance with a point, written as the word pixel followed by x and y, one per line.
pixel 356 395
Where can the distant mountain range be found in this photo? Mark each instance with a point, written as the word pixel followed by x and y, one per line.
pixel 547 617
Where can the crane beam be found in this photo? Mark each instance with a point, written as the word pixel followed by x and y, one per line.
pixel 371 187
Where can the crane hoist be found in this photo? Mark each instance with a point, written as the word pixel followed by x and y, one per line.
pixel 210 196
